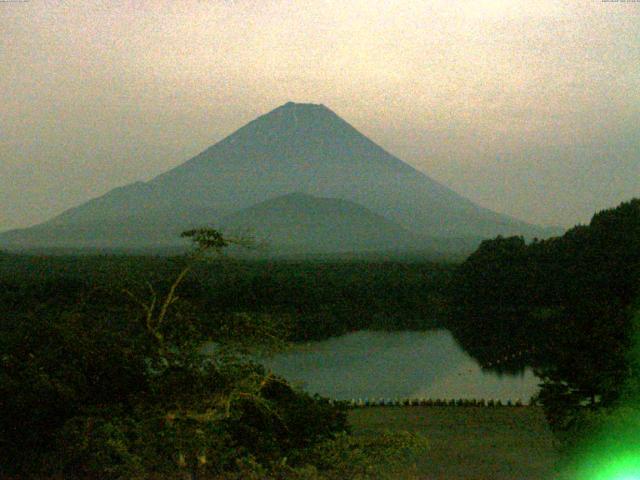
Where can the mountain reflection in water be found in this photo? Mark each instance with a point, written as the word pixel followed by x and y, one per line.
pixel 374 365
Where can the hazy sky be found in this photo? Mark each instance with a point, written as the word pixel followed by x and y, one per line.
pixel 531 108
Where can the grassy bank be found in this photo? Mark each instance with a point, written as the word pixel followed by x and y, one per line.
pixel 470 443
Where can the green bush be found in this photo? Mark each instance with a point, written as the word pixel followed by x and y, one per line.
pixel 114 384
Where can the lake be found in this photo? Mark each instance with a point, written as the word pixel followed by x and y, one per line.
pixel 374 365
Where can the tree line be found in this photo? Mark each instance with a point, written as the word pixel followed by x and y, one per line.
pixel 563 306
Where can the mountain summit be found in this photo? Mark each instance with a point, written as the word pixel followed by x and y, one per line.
pixel 304 148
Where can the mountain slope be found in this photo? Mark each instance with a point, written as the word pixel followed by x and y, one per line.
pixel 294 148
pixel 298 222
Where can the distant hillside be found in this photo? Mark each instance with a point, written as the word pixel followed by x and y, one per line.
pixel 295 148
pixel 298 222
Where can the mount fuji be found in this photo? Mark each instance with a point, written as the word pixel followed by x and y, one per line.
pixel 301 149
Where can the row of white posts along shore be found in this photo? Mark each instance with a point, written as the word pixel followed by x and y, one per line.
pixel 429 402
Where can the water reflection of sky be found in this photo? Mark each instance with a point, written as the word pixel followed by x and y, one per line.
pixel 377 365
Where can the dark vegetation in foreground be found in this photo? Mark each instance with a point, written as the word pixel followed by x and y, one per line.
pixel 102 373
pixel 103 376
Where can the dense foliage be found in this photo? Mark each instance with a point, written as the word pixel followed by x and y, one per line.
pixel 562 305
pixel 103 374
pixel 317 299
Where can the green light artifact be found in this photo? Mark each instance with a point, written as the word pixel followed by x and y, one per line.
pixel 613 451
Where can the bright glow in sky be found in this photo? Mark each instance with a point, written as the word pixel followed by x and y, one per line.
pixel 530 108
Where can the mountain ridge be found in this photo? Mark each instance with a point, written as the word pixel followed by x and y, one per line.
pixel 296 147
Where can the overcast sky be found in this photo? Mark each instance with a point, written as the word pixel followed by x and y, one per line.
pixel 531 108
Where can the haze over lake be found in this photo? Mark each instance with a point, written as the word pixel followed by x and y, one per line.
pixel 373 365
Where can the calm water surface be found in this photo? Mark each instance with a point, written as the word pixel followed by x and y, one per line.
pixel 374 365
